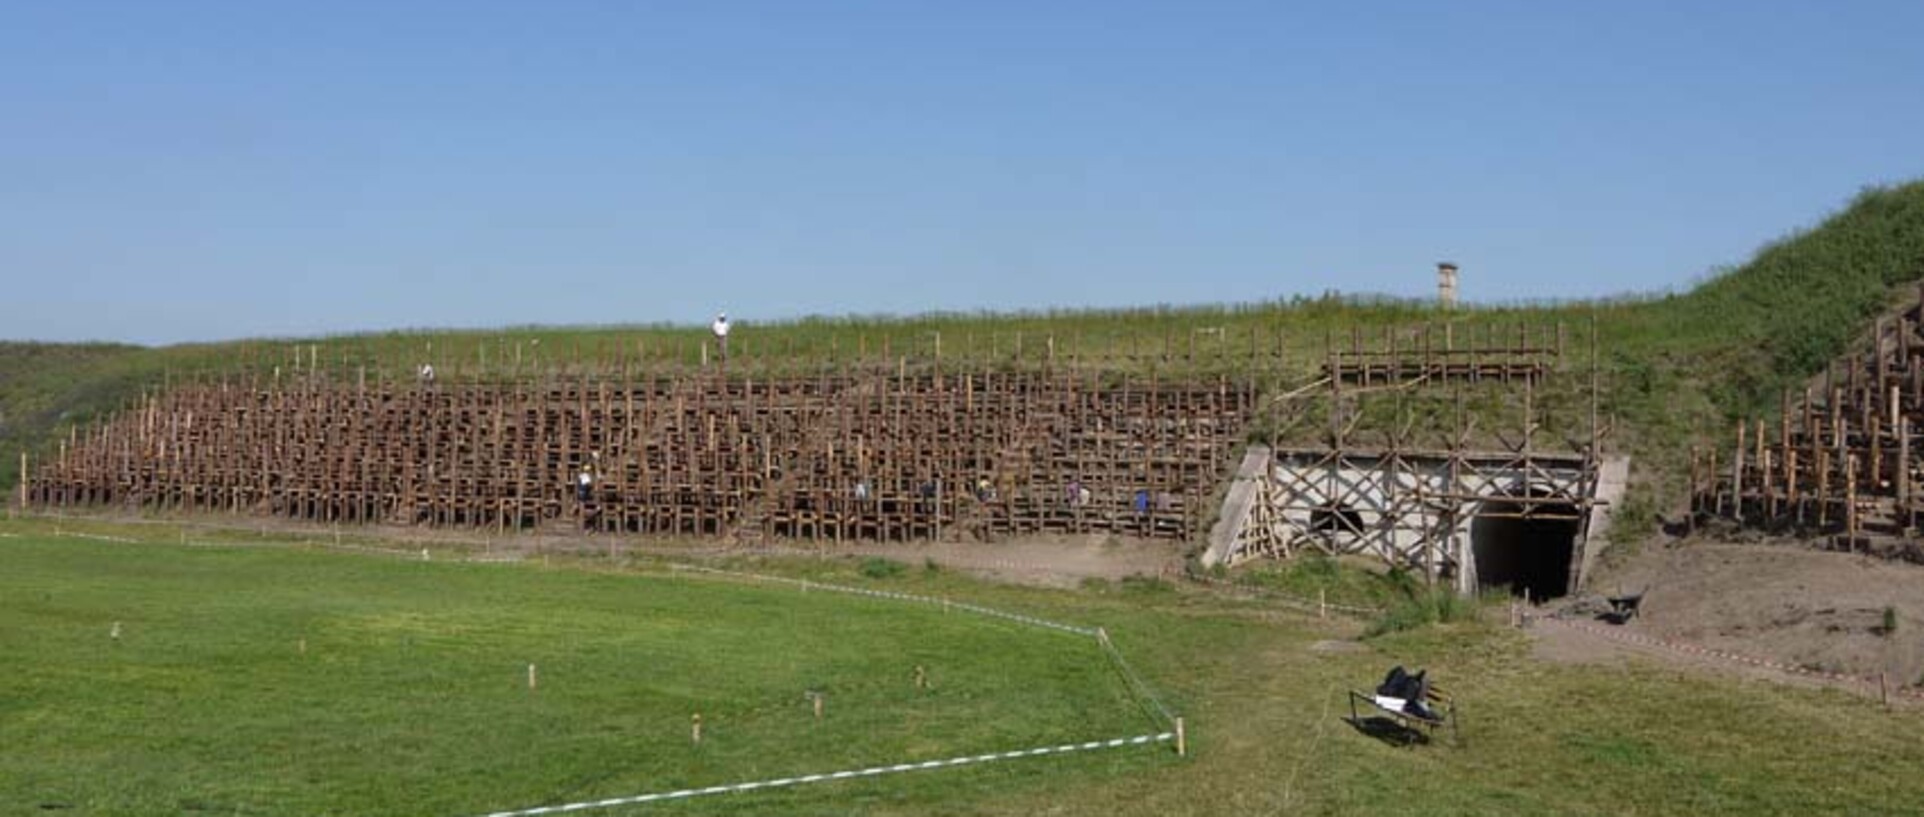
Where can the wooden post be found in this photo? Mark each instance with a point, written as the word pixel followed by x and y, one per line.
pixel 533 681
pixel 303 646
pixel 1904 470
pixel 694 729
pixel 921 677
pixel 115 632
pixel 1182 739
pixel 1884 687
pixel 1322 602
pixel 1850 502
pixel 817 696
pixel 1737 475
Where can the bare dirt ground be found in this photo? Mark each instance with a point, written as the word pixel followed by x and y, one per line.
pixel 1059 561
pixel 1819 611
pixel 1054 560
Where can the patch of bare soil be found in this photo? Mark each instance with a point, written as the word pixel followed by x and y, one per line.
pixel 1061 561
pixel 1820 611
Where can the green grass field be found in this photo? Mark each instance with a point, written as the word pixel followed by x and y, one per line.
pixel 412 698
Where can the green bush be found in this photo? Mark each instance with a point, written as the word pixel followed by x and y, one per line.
pixel 876 567
pixel 1138 583
pixel 1419 605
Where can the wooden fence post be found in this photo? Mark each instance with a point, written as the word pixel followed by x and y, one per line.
pixel 1182 740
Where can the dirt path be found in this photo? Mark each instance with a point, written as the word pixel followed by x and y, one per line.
pixel 1583 642
pixel 1781 612
pixel 1048 561
pixel 1060 561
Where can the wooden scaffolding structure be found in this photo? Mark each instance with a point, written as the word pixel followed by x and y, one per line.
pixel 1839 464
pixel 863 454
pixel 1411 505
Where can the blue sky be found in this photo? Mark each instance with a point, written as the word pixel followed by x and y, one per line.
pixel 192 171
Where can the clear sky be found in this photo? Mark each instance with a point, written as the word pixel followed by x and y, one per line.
pixel 189 170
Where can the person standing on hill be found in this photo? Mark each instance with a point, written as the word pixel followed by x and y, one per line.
pixel 720 328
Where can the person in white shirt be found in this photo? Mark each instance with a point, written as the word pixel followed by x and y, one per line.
pixel 721 333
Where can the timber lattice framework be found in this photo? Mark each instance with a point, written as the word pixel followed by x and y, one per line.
pixel 859 454
pixel 1434 495
pixel 1839 464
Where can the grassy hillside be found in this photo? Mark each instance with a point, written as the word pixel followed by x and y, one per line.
pixel 411 699
pixel 1672 366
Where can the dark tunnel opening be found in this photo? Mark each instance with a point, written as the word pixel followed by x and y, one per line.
pixel 1336 518
pixel 1525 545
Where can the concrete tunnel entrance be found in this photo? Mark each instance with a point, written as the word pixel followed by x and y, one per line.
pixel 1525 545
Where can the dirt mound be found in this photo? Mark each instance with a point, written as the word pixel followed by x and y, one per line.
pixel 1819 610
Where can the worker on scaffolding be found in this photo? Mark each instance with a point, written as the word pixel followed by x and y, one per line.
pixel 584 485
pixel 720 328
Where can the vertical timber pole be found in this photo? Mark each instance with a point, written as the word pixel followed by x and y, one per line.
pixel 1737 475
pixel 1904 472
pixel 1182 739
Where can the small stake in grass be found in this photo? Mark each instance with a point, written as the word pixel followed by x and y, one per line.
pixel 694 730
pixel 303 646
pixel 1182 740
pixel 533 680
pixel 114 633
pixel 1322 603
pixel 921 677
pixel 815 698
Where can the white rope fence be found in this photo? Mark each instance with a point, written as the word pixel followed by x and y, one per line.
pixel 1135 684
pixel 825 777
pixel 296 539
pixel 946 604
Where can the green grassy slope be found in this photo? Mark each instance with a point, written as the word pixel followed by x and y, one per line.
pixel 411 700
pixel 1673 367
